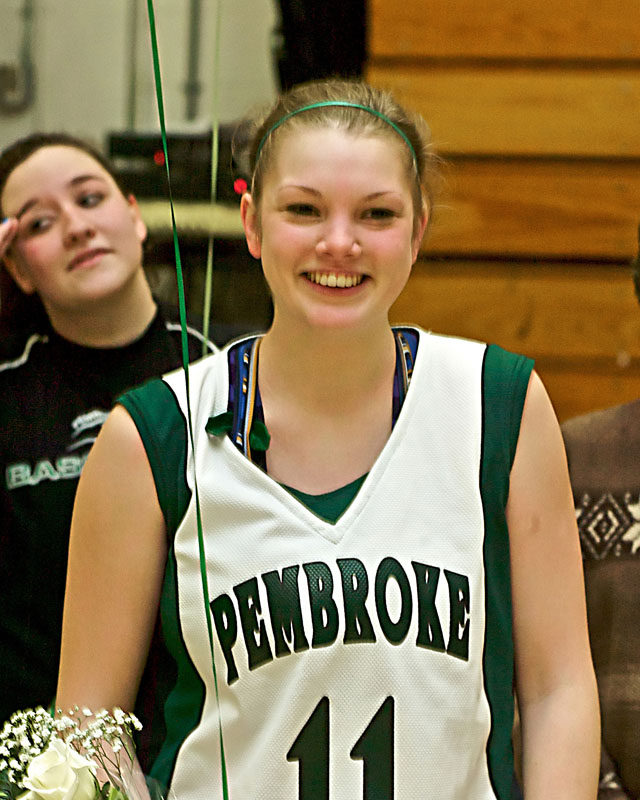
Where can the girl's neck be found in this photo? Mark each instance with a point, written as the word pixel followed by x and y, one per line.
pixel 111 322
pixel 326 370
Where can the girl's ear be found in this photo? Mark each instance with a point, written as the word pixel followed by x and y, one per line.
pixel 19 276
pixel 419 234
pixel 251 224
pixel 139 224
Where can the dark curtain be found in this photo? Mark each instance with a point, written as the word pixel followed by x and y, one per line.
pixel 321 39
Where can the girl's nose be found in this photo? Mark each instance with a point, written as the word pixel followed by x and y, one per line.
pixel 77 226
pixel 338 238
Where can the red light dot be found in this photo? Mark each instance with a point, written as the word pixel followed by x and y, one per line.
pixel 158 158
pixel 239 186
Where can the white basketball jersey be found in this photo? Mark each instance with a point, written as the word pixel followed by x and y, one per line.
pixel 351 658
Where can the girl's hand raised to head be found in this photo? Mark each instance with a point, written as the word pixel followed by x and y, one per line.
pixel 8 229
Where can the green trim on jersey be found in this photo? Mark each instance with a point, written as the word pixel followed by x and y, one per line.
pixel 505 378
pixel 163 430
pixel 183 707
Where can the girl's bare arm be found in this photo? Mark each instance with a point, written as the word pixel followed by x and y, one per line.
pixel 116 564
pixel 557 694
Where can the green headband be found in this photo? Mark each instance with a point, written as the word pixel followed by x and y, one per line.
pixel 339 103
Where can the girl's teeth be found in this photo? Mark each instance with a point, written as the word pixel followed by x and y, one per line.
pixel 332 280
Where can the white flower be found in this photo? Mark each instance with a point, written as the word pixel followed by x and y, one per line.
pixel 60 773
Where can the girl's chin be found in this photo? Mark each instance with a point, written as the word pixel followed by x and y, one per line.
pixel 337 320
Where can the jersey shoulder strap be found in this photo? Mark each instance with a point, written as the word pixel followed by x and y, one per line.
pixel 163 429
pixel 505 379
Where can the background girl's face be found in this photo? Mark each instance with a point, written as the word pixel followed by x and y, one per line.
pixel 79 239
pixel 334 227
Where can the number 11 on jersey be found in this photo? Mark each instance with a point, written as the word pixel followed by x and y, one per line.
pixel 374 748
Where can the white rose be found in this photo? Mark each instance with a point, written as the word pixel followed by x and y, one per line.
pixel 60 773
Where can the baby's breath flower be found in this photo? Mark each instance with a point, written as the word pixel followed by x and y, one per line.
pixel 135 722
pixel 99 738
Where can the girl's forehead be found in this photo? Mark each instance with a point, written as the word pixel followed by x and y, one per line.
pixel 51 168
pixel 336 152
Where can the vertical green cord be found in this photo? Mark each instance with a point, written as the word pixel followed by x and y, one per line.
pixel 185 364
pixel 215 140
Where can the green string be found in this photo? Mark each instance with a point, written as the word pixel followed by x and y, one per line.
pixel 215 138
pixel 185 364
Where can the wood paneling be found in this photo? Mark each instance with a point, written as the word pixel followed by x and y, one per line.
pixel 575 29
pixel 581 323
pixel 545 208
pixel 516 110
pixel 552 311
pixel 574 392
pixel 536 109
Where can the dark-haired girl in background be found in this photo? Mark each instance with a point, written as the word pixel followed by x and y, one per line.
pixel 79 325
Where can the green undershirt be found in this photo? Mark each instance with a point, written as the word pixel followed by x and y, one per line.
pixel 331 505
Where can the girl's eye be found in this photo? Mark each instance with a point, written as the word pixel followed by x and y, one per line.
pixel 37 225
pixel 90 199
pixel 302 209
pixel 379 213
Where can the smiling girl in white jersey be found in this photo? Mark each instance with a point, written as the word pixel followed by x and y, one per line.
pixel 389 538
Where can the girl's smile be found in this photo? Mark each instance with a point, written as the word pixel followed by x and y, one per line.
pixel 89 258
pixel 335 280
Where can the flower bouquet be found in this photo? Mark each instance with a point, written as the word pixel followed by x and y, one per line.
pixel 81 756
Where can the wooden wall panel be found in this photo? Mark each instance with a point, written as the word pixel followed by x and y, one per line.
pixel 514 110
pixel 552 311
pixel 574 391
pixel 587 210
pixel 581 323
pixel 536 109
pixel 575 29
